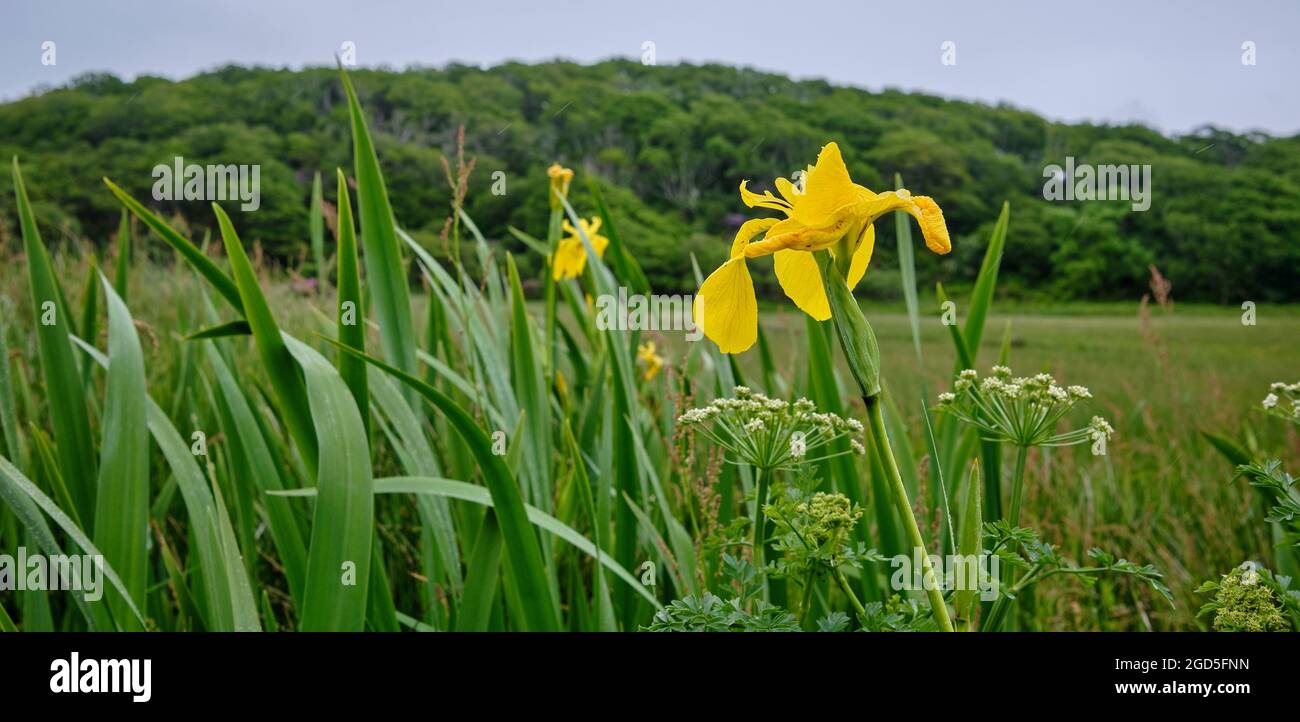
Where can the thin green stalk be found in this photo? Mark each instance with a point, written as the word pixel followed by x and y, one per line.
pixel 853 598
pixel 992 622
pixel 881 439
pixel 1013 515
pixel 760 522
pixel 1017 484
pixel 807 599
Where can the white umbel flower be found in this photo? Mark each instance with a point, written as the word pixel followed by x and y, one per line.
pixel 1025 410
pixel 771 434
pixel 1283 401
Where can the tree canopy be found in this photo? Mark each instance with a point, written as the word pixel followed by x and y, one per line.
pixel 668 146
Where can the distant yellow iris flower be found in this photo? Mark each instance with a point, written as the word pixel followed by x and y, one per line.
pixel 653 361
pixel 829 209
pixel 560 179
pixel 571 256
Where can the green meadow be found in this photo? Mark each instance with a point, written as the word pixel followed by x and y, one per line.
pixel 436 433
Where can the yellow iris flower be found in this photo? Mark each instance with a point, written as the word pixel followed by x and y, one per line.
pixel 653 361
pixel 571 256
pixel 830 212
pixel 560 179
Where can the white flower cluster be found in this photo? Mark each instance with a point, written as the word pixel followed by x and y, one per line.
pixel 1023 410
pixel 1283 401
pixel 1040 390
pixel 759 409
pixel 771 433
pixel 1099 429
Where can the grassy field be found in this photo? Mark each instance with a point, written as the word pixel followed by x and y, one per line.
pixel 1162 495
pixel 417 444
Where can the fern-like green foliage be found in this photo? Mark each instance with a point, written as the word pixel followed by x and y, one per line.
pixel 709 613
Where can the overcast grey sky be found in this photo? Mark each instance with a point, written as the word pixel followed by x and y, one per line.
pixel 1171 65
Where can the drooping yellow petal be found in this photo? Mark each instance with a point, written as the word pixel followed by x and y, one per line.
pixel 570 258
pixel 923 208
pixel 933 226
pixel 802 281
pixel 862 256
pixel 725 308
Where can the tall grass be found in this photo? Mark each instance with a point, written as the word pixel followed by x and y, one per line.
pixel 279 461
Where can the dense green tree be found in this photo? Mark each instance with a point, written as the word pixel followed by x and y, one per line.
pixel 668 146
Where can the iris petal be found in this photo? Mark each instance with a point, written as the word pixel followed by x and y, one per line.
pixel 923 208
pixel 787 190
pixel 802 281
pixel 598 243
pixel 824 212
pixel 933 226
pixel 750 229
pixel 766 200
pixel 793 233
pixel 827 189
pixel 725 308
pixel 862 256
pixel 570 255
pixel 570 259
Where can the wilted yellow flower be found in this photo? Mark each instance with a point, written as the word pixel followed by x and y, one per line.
pixel 560 179
pixel 571 256
pixel 831 212
pixel 653 361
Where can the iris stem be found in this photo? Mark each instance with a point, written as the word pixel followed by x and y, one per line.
pixel 881 439
pixel 552 237
pixel 858 342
